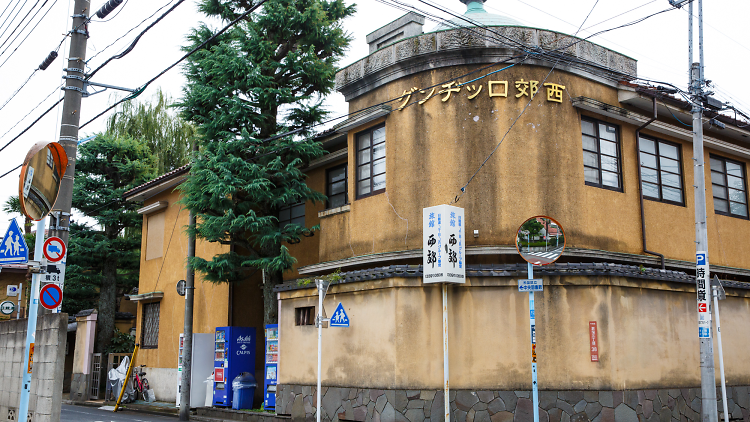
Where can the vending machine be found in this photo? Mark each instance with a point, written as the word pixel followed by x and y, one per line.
pixel 272 363
pixel 234 352
pixel 201 368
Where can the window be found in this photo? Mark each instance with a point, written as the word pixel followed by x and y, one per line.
pixel 370 161
pixel 601 155
pixel 728 187
pixel 292 214
pixel 304 316
pixel 661 171
pixel 150 326
pixel 336 186
pixel 155 235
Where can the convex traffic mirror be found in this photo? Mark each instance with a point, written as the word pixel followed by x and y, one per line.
pixel 41 174
pixel 540 240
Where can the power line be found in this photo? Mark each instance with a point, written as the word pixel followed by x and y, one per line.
pixel 31 125
pixel 11 171
pixel 19 24
pixel 190 53
pixel 129 31
pixel 30 32
pixel 135 41
pixel 8 17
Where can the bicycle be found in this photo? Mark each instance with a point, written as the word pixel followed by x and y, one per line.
pixel 140 383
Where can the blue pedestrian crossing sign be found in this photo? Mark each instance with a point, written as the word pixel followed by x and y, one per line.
pixel 13 249
pixel 339 318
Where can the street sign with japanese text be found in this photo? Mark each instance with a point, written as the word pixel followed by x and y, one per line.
pixel 702 278
pixel 443 244
pixel 530 285
pixel 7 307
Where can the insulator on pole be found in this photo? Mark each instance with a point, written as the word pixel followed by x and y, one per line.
pixel 107 8
pixel 48 61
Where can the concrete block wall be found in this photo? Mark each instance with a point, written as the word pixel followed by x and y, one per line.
pixel 48 368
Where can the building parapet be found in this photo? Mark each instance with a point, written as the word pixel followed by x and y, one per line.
pixel 478 46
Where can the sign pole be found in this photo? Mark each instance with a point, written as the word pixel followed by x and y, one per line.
pixel 532 325
pixel 320 340
pixel 446 361
pixel 721 354
pixel 23 407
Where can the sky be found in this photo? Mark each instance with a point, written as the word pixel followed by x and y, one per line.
pixel 658 43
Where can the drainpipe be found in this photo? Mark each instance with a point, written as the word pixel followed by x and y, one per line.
pixel 640 185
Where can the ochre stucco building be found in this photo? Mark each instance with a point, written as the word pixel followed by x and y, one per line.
pixel 507 122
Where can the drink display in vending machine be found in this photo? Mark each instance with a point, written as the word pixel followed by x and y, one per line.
pixel 234 352
pixel 272 363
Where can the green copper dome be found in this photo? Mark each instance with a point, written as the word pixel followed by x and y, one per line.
pixel 477 16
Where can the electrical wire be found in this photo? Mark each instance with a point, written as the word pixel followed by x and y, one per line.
pixel 11 20
pixel 140 90
pixel 19 24
pixel 135 41
pixel 129 31
pixel 27 35
pixel 32 124
pixel 19 89
pixel 11 171
pixel 115 15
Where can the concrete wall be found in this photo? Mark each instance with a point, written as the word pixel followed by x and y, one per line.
pixel 647 335
pixel 47 377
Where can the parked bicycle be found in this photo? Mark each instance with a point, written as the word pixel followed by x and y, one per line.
pixel 140 383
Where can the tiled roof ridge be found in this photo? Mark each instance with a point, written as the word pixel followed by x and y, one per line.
pixel 514 270
pixel 168 175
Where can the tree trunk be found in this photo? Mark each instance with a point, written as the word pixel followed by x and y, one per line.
pixel 107 306
pixel 270 303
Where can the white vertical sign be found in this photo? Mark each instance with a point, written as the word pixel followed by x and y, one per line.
pixel 443 244
pixel 701 280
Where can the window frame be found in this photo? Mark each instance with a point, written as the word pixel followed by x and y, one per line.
pixel 144 316
pixel 371 131
pixel 659 184
pixel 726 186
pixel 291 219
pixel 304 316
pixel 345 166
pixel 618 147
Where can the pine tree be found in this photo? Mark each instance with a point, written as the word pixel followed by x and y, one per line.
pixel 106 258
pixel 281 58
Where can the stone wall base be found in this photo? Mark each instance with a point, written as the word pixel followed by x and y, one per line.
pixel 79 387
pixel 371 405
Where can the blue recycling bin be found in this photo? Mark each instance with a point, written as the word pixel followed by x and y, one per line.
pixel 243 387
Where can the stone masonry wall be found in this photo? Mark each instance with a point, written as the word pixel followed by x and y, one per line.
pixel 371 405
pixel 48 369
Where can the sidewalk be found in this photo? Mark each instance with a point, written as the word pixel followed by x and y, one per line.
pixel 155 408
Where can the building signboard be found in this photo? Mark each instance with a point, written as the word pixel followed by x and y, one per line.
pixel 530 285
pixel 701 280
pixel 443 245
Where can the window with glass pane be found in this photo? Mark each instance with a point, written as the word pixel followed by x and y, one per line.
pixel 336 187
pixel 370 161
pixel 661 171
pixel 729 187
pixel 150 326
pixel 601 154
pixel 292 214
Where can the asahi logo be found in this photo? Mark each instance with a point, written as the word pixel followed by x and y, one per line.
pixel 245 339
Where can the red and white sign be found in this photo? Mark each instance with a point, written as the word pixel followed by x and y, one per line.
pixel 51 296
pixel 218 374
pixel 54 249
pixel 702 307
pixel 594 341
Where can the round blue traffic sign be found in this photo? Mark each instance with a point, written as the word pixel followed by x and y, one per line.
pixel 50 296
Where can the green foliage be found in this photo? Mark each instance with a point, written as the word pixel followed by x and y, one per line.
pixel 533 227
pixel 282 57
pixel 168 136
pixel 102 260
pixel 13 206
pixel 121 343
pixel 333 278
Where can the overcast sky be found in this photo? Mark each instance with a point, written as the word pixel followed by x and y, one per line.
pixel 658 43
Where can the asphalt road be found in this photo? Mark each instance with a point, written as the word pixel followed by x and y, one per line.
pixel 93 414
